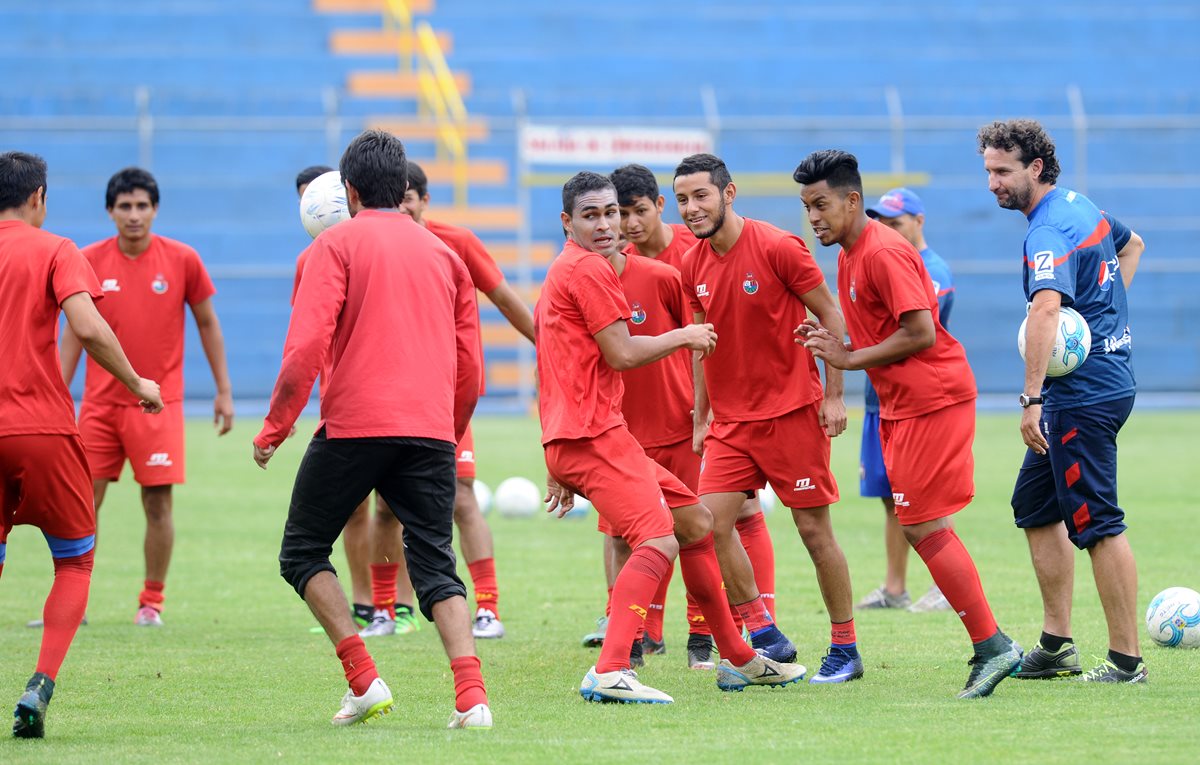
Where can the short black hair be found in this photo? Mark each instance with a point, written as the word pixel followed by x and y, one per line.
pixel 633 181
pixel 128 180
pixel 375 165
pixel 310 174
pixel 21 174
pixel 836 167
pixel 417 181
pixel 580 184
pixel 718 174
pixel 1026 136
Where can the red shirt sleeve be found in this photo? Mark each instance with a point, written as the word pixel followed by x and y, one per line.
pixel 485 274
pixel 299 273
pixel 319 300
pixel 795 265
pixel 71 274
pixel 199 286
pixel 595 288
pixel 898 277
pixel 469 376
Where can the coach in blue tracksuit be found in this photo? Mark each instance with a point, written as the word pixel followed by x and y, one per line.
pixel 1066 493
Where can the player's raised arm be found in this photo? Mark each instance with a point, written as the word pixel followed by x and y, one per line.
pixel 623 351
pixel 101 344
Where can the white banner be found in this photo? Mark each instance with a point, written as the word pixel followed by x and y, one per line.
pixel 561 145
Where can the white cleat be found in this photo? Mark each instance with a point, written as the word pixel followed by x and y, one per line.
pixel 148 617
pixel 478 716
pixel 620 686
pixel 381 624
pixel 487 626
pixel 758 671
pixel 377 700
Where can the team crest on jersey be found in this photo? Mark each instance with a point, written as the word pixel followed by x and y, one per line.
pixel 853 294
pixel 750 285
pixel 637 314
pixel 159 285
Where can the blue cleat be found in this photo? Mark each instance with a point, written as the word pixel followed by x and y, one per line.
pixel 775 645
pixel 840 665
pixel 988 670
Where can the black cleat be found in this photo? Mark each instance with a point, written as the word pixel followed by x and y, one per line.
pixel 699 651
pixel 30 714
pixel 652 647
pixel 635 655
pixel 1041 664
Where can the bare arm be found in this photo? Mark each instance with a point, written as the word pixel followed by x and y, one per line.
pixel 819 301
pixel 915 334
pixel 214 349
pixel 93 332
pixel 1129 257
pixel 505 298
pixel 1039 341
pixel 701 407
pixel 623 351
pixel 69 352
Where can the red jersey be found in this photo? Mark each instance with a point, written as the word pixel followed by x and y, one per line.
pixel 39 271
pixel 751 296
pixel 396 310
pixel 682 241
pixel 485 274
pixel 144 304
pixel 579 394
pixel 323 380
pixel 658 397
pixel 881 277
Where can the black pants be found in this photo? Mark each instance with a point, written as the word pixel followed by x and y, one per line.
pixel 415 476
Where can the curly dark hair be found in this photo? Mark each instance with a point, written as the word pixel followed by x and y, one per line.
pixel 1026 136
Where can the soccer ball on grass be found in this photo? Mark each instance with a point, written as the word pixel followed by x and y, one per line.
pixel 517 497
pixel 1173 618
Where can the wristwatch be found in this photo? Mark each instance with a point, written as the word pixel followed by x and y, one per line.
pixel 1028 401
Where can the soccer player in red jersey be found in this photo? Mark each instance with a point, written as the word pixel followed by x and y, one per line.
pixel 756 283
pixel 44 479
pixel 398 309
pixel 147 281
pixel 926 392
pixel 583 342
pixel 389 575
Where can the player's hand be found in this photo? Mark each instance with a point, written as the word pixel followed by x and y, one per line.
pixel 806 327
pixel 699 433
pixel 832 416
pixel 558 497
pixel 824 346
pixel 700 337
pixel 1031 429
pixel 149 396
pixel 263 456
pixel 292 432
pixel 223 413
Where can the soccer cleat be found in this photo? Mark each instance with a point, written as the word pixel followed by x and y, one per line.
pixel 407 622
pixel 620 686
pixel 775 645
pixel 148 617
pixel 376 700
pixel 881 598
pixel 840 665
pixel 758 671
pixel 1040 663
pixel 362 614
pixel 37 624
pixel 478 716
pixel 652 647
pixel 29 718
pixel 595 639
pixel 487 626
pixel 1111 673
pixel 382 624
pixel 989 671
pixel 636 654
pixel 699 652
pixel 933 600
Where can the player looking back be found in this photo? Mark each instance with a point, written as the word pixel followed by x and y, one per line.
pixel 44 479
pixel 398 309
pixel 926 392
pixel 1066 493
pixel 756 283
pixel 583 342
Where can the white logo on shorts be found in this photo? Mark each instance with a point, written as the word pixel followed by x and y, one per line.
pixel 159 459
pixel 804 484
pixel 898 498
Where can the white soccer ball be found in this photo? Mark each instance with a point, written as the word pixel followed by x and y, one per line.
pixel 1072 342
pixel 324 203
pixel 517 497
pixel 1173 618
pixel 483 496
pixel 768 499
pixel 581 508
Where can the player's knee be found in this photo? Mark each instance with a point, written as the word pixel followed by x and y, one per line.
pixel 298 571
pixel 692 524
pixel 67 548
pixel 429 594
pixel 813 526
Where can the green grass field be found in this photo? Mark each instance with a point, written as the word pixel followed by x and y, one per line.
pixel 235 676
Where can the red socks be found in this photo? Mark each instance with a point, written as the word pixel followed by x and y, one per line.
pixel 842 633
pixel 702 577
pixel 759 548
pixel 608 603
pixel 483 578
pixel 357 664
pixel 695 617
pixel 64 610
pixel 468 683
pixel 632 593
pixel 152 594
pixel 383 587
pixel 754 615
pixel 654 617
pixel 954 572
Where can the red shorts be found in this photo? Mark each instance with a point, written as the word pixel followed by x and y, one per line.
pixel 681 462
pixel 44 482
pixel 929 462
pixel 153 443
pixel 630 491
pixel 790 451
pixel 464 456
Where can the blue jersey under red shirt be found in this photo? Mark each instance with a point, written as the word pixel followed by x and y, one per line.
pixel 1071 247
pixel 943 286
